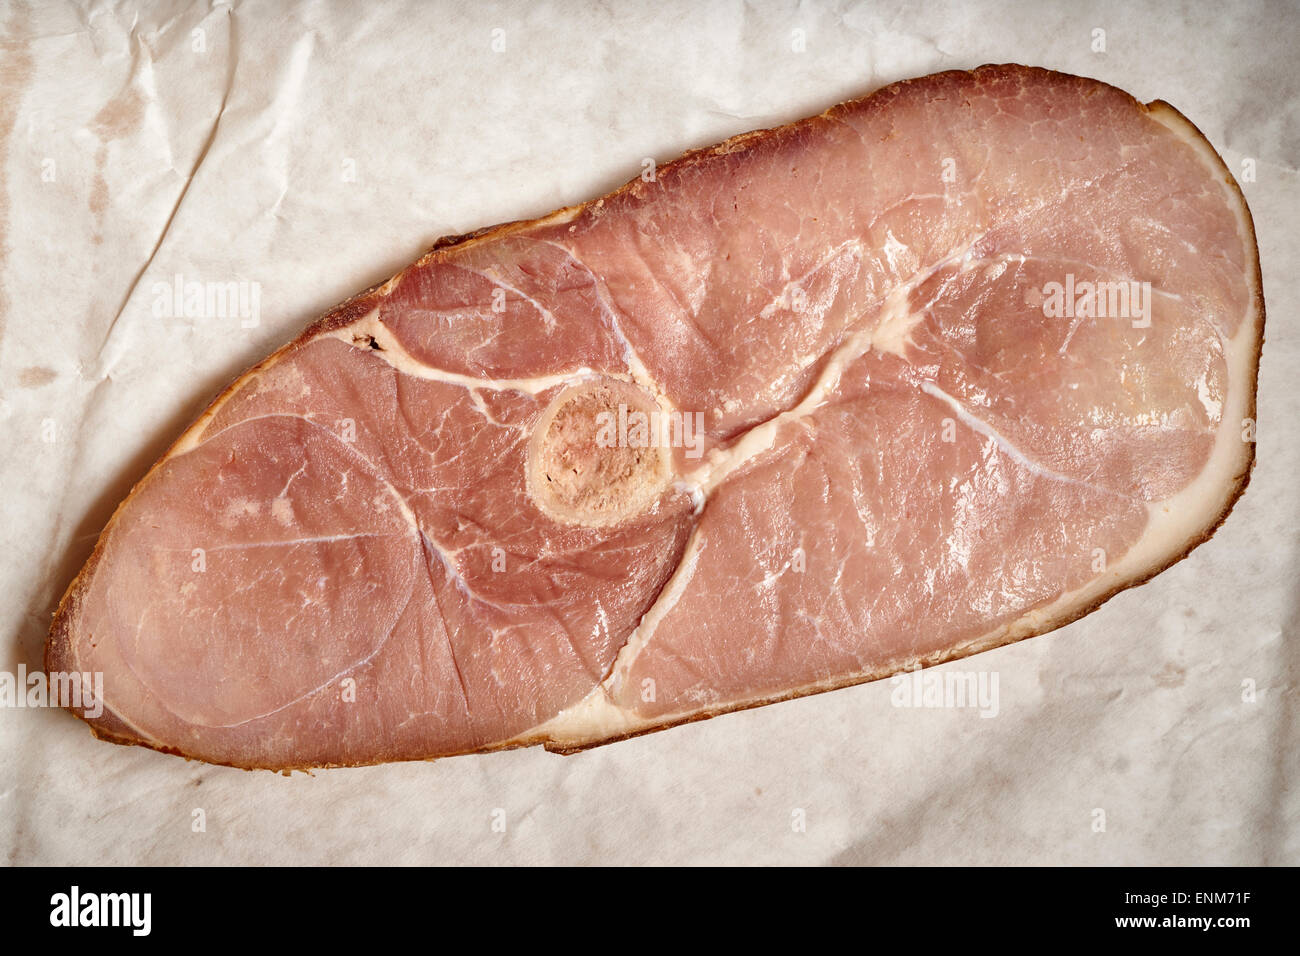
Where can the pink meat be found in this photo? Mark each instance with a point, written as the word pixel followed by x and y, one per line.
pixel 355 554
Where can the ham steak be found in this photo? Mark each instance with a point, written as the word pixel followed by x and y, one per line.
pixel 942 368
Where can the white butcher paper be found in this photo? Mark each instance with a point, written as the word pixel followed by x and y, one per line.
pixel 310 151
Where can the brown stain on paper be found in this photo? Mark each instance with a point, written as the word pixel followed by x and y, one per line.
pixel 120 117
pixel 36 376
pixel 15 76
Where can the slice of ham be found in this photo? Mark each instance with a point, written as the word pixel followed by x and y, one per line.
pixel 404 536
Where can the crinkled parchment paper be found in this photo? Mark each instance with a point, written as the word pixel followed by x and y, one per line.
pixel 315 149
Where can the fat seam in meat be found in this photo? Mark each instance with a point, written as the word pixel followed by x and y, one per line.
pixel 939 369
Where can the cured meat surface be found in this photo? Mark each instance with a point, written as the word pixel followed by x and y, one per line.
pixel 940 369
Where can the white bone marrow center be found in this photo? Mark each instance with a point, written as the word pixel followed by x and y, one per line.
pixel 583 469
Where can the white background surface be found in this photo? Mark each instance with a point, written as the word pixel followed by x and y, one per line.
pixel 226 165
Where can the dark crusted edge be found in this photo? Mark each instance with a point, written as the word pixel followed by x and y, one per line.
pixel 59 641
